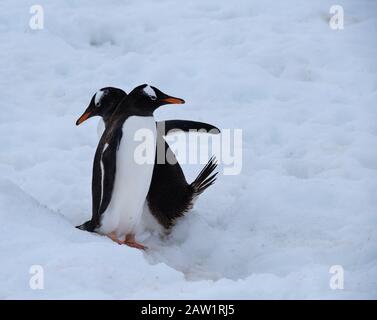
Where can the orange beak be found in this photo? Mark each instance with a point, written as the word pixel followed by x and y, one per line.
pixel 172 100
pixel 84 117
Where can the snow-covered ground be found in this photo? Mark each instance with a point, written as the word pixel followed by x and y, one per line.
pixel 303 94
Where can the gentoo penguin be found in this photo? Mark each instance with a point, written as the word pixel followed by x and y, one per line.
pixel 169 196
pixel 120 183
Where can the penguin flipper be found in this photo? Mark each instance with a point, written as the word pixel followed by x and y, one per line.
pixel 103 176
pixel 90 225
pixel 171 126
pixel 86 226
pixel 108 169
pixel 96 188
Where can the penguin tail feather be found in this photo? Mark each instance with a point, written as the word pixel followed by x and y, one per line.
pixel 205 178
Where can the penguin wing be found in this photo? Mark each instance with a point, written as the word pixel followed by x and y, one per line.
pixel 96 187
pixel 104 175
pixel 171 126
pixel 108 170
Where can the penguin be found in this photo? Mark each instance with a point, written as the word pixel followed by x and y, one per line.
pixel 169 195
pixel 120 185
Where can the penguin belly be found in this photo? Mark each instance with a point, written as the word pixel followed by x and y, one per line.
pixel 132 177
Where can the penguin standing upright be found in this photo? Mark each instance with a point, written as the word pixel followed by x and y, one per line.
pixel 169 196
pixel 120 182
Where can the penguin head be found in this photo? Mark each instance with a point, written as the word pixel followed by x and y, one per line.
pixel 103 104
pixel 148 98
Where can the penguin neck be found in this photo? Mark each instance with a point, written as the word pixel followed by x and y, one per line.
pixel 106 118
pixel 141 113
pixel 141 110
pixel 134 110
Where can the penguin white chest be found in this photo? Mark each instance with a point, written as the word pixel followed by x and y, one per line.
pixel 134 168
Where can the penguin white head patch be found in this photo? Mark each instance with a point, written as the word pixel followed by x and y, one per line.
pixel 148 90
pixel 98 96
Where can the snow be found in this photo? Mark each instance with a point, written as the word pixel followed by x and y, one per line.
pixel 303 94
